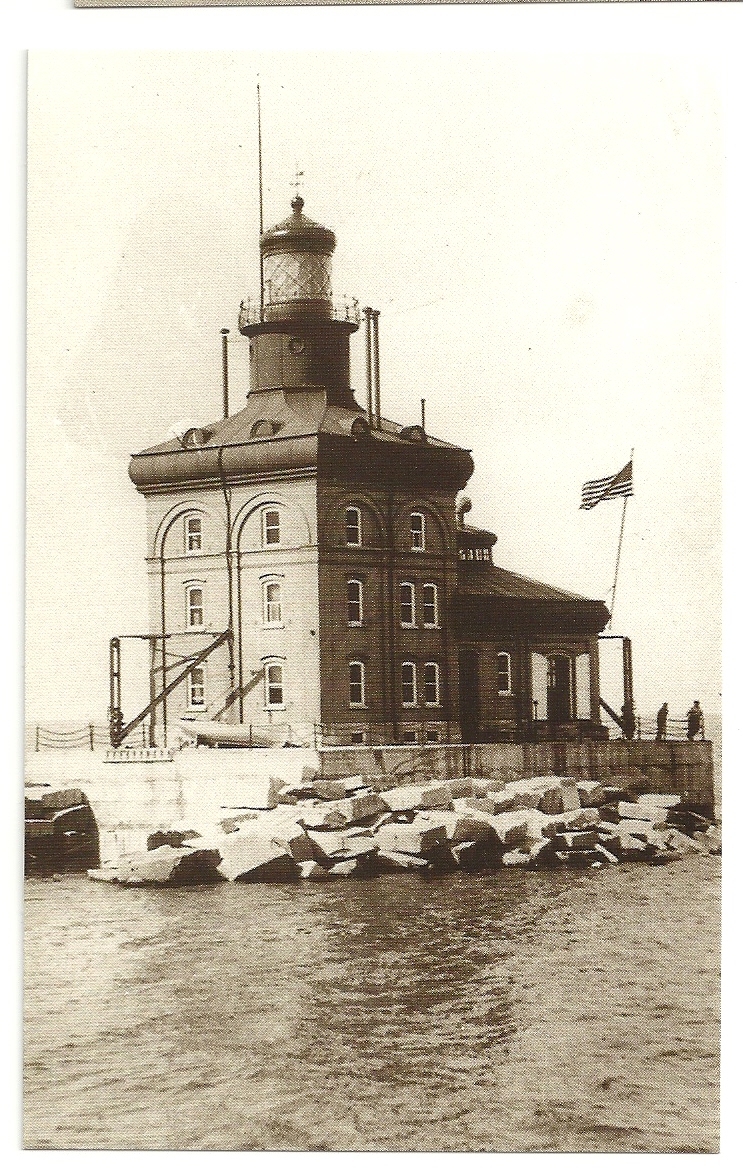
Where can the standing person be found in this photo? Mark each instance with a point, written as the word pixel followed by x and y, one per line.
pixel 628 720
pixel 694 721
pixel 662 722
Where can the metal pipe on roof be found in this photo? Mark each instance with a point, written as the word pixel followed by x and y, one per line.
pixel 225 377
pixel 377 394
pixel 369 410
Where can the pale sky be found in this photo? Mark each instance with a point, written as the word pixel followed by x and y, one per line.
pixel 543 237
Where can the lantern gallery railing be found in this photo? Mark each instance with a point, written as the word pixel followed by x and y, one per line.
pixel 252 312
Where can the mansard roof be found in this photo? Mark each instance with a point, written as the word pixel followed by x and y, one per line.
pixel 278 431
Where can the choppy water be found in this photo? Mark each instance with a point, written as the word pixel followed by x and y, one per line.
pixel 540 1011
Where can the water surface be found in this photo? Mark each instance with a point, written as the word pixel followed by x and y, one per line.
pixel 516 1011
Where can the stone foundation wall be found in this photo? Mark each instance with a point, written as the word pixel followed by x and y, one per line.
pixel 683 768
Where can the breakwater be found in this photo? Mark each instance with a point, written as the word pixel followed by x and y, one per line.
pixel 131 799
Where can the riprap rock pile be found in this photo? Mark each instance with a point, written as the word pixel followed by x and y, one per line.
pixel 318 829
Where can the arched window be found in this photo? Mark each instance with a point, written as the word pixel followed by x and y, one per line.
pixel 431 683
pixel 197 688
pixel 357 684
pixel 417 532
pixel 272 611
pixel 271 527
pixel 355 603
pixel 430 605
pixel 194 606
pixel 503 673
pixel 408 692
pixel 407 605
pixel 273 681
pixel 353 526
pixel 193 536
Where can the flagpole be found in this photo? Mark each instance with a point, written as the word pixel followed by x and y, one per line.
pixel 619 553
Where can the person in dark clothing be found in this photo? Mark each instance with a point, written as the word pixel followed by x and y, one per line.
pixel 628 720
pixel 662 722
pixel 694 721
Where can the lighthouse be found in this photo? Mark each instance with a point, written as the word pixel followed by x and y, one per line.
pixel 311 576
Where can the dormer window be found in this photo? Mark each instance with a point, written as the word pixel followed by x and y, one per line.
pixel 417 532
pixel 193 534
pixel 353 526
pixel 271 527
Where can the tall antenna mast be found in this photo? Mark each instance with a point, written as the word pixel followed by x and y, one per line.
pixel 260 187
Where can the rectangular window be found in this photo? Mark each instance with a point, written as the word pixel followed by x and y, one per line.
pixel 271 528
pixel 355 603
pixel 409 693
pixel 417 532
pixel 353 526
pixel 432 736
pixel 357 738
pixel 356 684
pixel 272 615
pixel 274 686
pixel 503 672
pixel 431 683
pixel 407 605
pixel 430 605
pixel 194 607
pixel 409 736
pixel 197 688
pixel 193 534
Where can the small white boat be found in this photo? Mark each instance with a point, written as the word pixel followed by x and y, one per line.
pixel 211 733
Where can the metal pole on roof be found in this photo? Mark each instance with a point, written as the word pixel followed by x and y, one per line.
pixel 377 394
pixel 260 189
pixel 369 402
pixel 225 377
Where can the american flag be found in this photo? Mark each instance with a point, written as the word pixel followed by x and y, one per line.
pixel 620 485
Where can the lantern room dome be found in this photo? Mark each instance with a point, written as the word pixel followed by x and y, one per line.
pixel 298 234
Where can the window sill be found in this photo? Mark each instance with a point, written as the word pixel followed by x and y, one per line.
pixel 272 627
pixel 355 623
pixel 409 627
pixel 432 627
pixel 357 705
pixel 274 708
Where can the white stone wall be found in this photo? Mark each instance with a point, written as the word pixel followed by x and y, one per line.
pixel 293 563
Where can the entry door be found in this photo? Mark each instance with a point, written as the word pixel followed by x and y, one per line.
pixel 559 690
pixel 469 694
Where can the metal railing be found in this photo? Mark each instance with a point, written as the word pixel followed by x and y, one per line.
pixel 252 312
pixel 85 738
pixel 676 730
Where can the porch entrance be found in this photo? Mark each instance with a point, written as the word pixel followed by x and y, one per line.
pixel 560 690
pixel 469 694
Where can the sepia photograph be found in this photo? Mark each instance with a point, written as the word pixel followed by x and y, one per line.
pixel 373 601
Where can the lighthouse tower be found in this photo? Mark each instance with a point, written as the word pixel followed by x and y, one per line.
pixel 299 340
pixel 302 552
